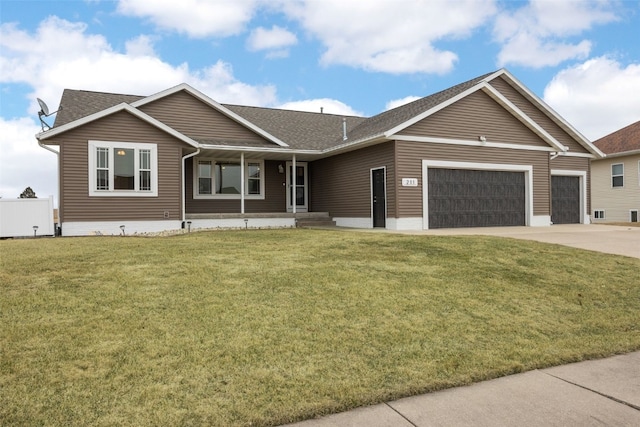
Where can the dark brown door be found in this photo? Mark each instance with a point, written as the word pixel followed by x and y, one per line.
pixel 378 198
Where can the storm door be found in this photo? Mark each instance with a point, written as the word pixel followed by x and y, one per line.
pixel 297 187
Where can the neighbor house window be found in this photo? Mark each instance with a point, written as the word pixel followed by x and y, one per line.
pixel 598 214
pixel 122 169
pixel 617 175
pixel 224 179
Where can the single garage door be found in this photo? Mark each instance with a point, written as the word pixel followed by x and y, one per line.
pixel 475 198
pixel 565 199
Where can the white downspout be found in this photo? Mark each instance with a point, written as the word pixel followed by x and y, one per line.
pixel 242 182
pixel 184 182
pixel 57 153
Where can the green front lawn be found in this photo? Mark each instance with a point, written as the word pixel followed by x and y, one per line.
pixel 238 328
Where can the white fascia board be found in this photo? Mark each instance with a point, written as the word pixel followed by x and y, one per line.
pixel 582 140
pixel 112 110
pixel 572 154
pixel 213 104
pixel 257 149
pixel 622 154
pixel 520 115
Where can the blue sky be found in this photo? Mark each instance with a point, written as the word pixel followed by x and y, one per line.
pixel 357 57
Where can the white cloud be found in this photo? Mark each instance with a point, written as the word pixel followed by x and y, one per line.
pixel 535 35
pixel 140 46
pixel 275 41
pixel 387 36
pixel 58 55
pixel 23 162
pixel 597 97
pixel 394 103
pixel 61 55
pixel 326 105
pixel 196 18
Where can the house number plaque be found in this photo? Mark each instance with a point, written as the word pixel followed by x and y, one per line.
pixel 409 182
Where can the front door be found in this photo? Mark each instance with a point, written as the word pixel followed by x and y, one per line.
pixel 297 187
pixel 378 198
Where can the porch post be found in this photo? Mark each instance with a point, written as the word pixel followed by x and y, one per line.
pixel 242 182
pixel 294 189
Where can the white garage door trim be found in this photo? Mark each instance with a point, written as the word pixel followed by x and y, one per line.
pixel 426 164
pixel 585 218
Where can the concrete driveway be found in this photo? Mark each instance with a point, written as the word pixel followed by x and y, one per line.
pixel 612 239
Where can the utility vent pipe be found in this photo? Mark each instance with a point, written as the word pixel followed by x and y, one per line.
pixel 344 129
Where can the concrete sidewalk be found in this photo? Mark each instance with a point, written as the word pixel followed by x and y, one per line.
pixel 591 393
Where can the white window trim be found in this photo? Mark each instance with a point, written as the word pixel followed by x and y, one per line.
pixel 213 161
pixel 111 145
pixel 622 175
pixel 603 216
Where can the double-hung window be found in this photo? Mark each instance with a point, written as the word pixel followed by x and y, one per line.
pixel 617 175
pixel 123 169
pixel 223 179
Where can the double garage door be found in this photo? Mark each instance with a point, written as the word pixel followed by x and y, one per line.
pixel 486 198
pixel 475 198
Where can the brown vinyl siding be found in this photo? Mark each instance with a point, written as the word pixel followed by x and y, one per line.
pixel 274 201
pixel 75 203
pixel 537 115
pixel 576 164
pixel 473 116
pixel 409 163
pixel 199 121
pixel 341 185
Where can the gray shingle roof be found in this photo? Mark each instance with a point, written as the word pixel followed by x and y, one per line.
pixel 300 130
pixel 77 104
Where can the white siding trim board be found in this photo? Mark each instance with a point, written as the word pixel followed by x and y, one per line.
pixel 472 143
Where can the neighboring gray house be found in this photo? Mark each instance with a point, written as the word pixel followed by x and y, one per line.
pixel 616 178
pixel 486 152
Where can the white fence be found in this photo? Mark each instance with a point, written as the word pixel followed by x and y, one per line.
pixel 20 217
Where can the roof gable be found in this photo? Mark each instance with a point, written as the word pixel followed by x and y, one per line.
pixel 392 122
pixel 484 119
pixel 211 103
pixel 199 121
pixel 110 111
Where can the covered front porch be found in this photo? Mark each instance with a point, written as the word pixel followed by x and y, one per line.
pixel 247 188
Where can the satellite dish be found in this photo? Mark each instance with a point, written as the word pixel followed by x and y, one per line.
pixel 43 107
pixel 44 112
